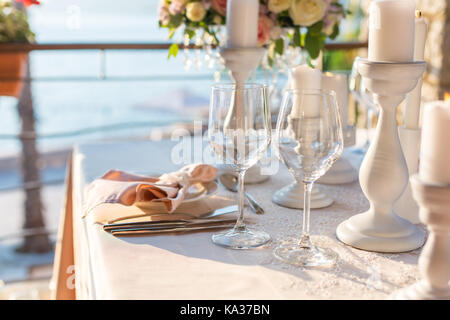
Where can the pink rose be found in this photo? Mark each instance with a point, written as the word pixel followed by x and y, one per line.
pixel 263 9
pixel 265 24
pixel 220 6
pixel 207 4
pixel 177 7
pixel 163 13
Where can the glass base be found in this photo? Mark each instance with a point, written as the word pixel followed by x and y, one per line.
pixel 241 238
pixel 311 256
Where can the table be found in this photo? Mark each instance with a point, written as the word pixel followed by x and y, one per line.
pixel 190 266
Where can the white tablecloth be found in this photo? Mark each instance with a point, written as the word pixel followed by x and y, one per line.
pixel 190 266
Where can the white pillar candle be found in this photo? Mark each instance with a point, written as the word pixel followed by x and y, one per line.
pixel 306 78
pixel 413 100
pixel 289 84
pixel 391 30
pixel 435 147
pixel 242 23
pixel 339 84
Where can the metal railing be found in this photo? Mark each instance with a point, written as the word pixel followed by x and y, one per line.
pixel 102 47
pixel 27 47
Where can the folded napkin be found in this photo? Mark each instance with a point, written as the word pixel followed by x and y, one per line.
pixel 112 213
pixel 124 188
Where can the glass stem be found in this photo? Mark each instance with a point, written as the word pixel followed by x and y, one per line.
pixel 305 241
pixel 240 225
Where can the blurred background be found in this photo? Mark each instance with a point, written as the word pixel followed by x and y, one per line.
pixel 77 96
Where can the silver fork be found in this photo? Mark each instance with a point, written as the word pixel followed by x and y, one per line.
pixel 177 222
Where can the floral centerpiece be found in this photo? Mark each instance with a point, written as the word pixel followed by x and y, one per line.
pixel 14 28
pixel 282 23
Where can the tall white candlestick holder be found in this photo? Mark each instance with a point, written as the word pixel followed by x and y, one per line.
pixel 405 206
pixel 241 62
pixel 384 174
pixel 434 261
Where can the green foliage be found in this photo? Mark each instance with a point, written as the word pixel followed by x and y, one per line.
pixel 189 32
pixel 316 28
pixel 14 25
pixel 315 40
pixel 335 32
pixel 270 60
pixel 297 39
pixel 279 46
pixel 173 50
pixel 338 59
pixel 172 32
pixel 175 21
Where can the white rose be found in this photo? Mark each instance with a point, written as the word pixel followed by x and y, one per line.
pixel 217 20
pixel 195 11
pixel 276 32
pixel 277 6
pixel 307 12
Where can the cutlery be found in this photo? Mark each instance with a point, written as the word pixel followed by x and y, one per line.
pixel 215 213
pixel 167 224
pixel 144 231
pixel 229 181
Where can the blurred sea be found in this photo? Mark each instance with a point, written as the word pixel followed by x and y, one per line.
pixel 85 101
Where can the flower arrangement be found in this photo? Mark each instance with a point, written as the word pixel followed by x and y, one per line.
pixel 14 25
pixel 282 23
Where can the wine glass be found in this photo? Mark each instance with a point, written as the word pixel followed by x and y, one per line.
pixel 240 133
pixel 308 140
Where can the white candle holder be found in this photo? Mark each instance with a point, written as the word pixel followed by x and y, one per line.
pixel 434 261
pixel 342 171
pixel 349 136
pixel 241 62
pixel 292 196
pixel 405 206
pixel 384 174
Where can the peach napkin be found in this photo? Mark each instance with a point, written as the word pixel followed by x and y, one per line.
pixel 125 188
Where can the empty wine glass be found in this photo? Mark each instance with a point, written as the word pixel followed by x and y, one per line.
pixel 240 133
pixel 308 140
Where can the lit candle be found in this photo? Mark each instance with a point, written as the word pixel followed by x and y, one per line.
pixel 306 78
pixel 435 147
pixel 391 30
pixel 338 83
pixel 242 23
pixel 412 111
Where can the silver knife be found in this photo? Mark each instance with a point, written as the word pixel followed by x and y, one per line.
pixel 215 213
pixel 222 211
pixel 167 225
pixel 143 231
